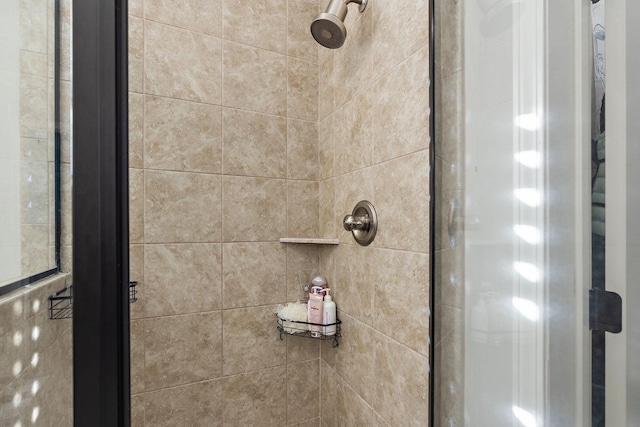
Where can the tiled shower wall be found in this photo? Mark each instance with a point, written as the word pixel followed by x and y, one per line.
pixel 374 145
pixel 224 162
pixel 449 280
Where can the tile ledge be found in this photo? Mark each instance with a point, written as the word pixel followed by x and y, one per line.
pixel 310 241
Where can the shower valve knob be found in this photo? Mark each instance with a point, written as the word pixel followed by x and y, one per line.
pixel 362 223
pixel 351 222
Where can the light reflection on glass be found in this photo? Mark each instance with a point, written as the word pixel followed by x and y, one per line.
pixel 526 307
pixel 17 368
pixel 527 270
pixel 529 122
pixel 528 233
pixel 35 333
pixel 17 338
pixel 529 158
pixel 528 196
pixel 17 399
pixel 17 308
pixel 526 418
pixel 34 359
pixel 35 414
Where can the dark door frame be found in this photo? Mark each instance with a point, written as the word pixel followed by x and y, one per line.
pixel 100 214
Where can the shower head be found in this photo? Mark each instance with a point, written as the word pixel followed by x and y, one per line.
pixel 328 27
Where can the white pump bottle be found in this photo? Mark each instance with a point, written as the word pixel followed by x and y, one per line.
pixel 329 314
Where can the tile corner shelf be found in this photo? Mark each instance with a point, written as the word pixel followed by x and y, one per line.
pixel 310 241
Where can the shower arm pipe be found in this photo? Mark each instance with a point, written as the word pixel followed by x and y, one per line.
pixel 339 7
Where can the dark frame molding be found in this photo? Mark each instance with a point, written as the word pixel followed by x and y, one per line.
pixel 432 212
pixel 100 214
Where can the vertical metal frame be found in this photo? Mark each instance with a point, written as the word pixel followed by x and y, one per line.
pixel 100 214
pixel 432 211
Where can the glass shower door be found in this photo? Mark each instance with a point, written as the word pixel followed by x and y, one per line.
pixel 622 375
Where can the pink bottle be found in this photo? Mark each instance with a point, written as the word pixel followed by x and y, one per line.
pixel 315 310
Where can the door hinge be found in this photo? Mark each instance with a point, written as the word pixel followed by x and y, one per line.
pixel 605 311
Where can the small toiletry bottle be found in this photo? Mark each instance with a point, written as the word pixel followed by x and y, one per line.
pixel 329 314
pixel 320 282
pixel 315 310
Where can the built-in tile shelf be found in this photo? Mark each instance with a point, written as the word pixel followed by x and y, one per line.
pixel 309 241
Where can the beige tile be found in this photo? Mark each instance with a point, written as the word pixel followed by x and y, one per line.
pixel 136 206
pixel 254 209
pixel 451 38
pixel 354 287
pixel 402 199
pixel 401 109
pixel 302 149
pixel 136 130
pixel 300 349
pixel 137 410
pixel 34 193
pixel 449 277
pixel 182 349
pixel 136 273
pixel 33 106
pixel 182 64
pixel 196 268
pixel 255 398
pixel 67 211
pixel 330 385
pixel 326 207
pixel 449 383
pixel 353 61
pixel 136 54
pixel 182 207
pixel 34 150
pixel 352 410
pixel 136 8
pixel 301 260
pixel 33 25
pixel 254 274
pixel 326 148
pixel 302 92
pixel 326 82
pixel 300 42
pixel 137 355
pixel 302 209
pixel 315 422
pixel 399 29
pixel 33 63
pixel 182 135
pixel 255 144
pixel 452 120
pixel 259 24
pixel 189 405
pixel 251 340
pixel 402 386
pixel 354 360
pixel 254 79
pixel 65 121
pixel 303 384
pixel 353 134
pixel 65 38
pixel 202 16
pixel 402 286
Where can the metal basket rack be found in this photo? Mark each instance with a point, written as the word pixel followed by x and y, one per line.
pixel 301 329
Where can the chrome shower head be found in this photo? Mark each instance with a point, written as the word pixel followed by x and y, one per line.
pixel 328 27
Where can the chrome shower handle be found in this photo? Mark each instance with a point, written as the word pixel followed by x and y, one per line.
pixel 351 222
